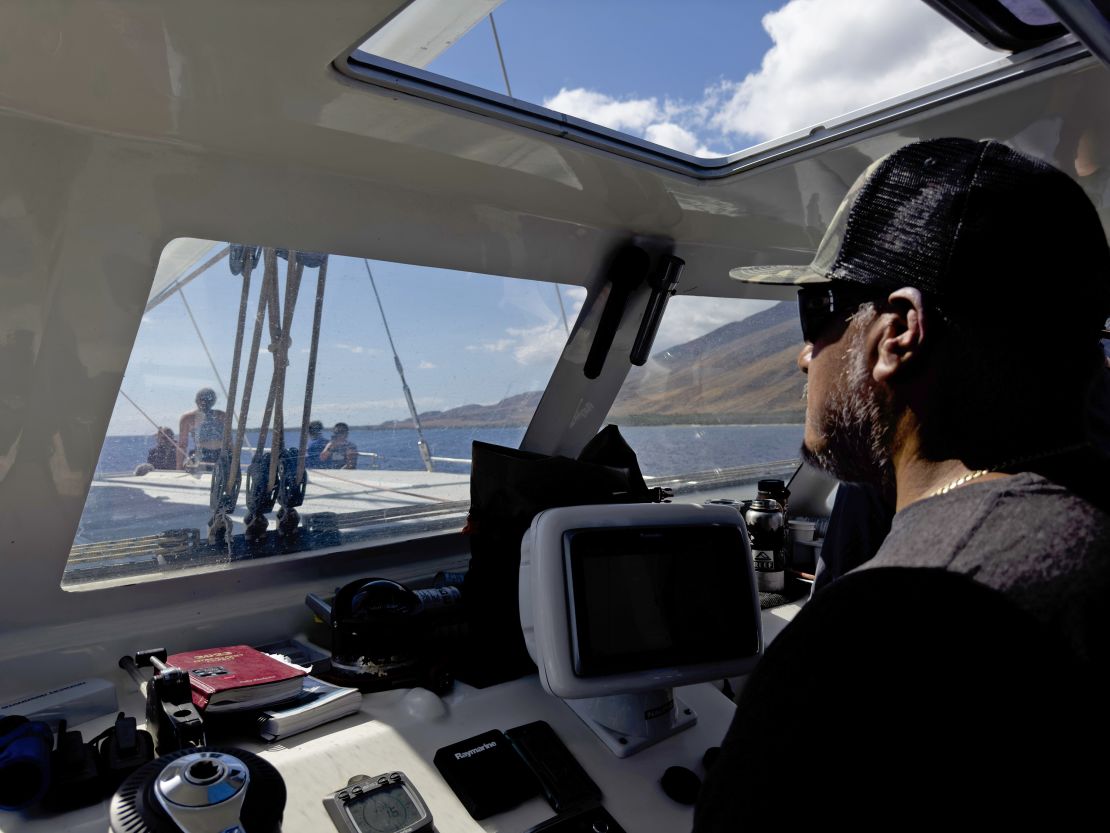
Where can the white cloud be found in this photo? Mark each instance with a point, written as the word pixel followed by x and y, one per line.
pixel 357 349
pixel 426 365
pixel 828 58
pixel 630 115
pixel 499 346
pixel 674 136
pixel 689 317
pixel 833 56
pixel 541 344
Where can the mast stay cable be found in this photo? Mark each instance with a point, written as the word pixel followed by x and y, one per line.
pixel 203 343
pixel 509 91
pixel 157 427
pixel 425 452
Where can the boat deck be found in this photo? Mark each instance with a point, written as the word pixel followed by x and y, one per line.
pixel 137 524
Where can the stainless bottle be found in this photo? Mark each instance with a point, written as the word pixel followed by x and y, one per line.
pixel 764 519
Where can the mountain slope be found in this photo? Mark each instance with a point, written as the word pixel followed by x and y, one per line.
pixel 743 372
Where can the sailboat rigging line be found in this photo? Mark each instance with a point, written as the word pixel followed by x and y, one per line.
pixel 509 92
pixel 271 315
pixel 252 363
pixel 180 282
pixel 562 309
pixel 157 427
pixel 203 343
pixel 240 328
pixel 425 452
pixel 280 349
pixel 224 493
pixel 310 379
pixel 500 55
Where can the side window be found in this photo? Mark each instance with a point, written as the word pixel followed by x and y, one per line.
pixel 720 402
pixel 279 402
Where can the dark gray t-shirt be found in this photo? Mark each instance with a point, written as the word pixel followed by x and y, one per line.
pixel 923 686
pixel 1045 548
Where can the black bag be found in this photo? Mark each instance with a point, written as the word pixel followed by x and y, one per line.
pixel 508 487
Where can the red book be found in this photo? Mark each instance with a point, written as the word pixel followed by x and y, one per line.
pixel 237 678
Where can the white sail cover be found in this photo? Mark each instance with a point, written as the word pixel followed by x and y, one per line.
pixel 178 265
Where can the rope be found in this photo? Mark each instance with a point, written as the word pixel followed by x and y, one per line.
pixel 271 316
pixel 240 329
pixel 425 452
pixel 203 343
pixel 252 364
pixel 225 490
pixel 280 350
pixel 310 380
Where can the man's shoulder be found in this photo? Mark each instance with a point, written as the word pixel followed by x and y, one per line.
pixel 1025 512
pixel 882 653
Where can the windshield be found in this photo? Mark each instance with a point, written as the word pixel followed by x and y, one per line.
pixel 353 390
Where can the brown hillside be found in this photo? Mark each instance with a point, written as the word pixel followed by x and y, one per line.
pixel 743 372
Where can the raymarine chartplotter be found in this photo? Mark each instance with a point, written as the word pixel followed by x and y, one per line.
pixel 621 603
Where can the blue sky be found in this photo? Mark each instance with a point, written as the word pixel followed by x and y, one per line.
pixel 720 76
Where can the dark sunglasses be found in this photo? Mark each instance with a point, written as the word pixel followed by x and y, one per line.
pixel 819 305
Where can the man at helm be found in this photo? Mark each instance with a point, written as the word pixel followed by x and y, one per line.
pixel 952 320
pixel 205 426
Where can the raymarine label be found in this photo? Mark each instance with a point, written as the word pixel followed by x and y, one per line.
pixel 461 755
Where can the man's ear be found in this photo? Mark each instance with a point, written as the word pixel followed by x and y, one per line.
pixel 903 327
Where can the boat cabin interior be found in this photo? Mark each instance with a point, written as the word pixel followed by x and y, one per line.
pixel 411 303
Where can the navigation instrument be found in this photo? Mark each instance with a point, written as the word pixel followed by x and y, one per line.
pixel 387 803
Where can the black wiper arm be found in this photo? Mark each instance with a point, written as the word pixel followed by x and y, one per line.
pixel 664 284
pixel 627 272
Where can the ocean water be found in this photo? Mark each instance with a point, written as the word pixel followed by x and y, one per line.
pixel 666 449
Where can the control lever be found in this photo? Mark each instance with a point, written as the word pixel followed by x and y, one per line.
pixel 664 284
pixel 626 273
pixel 171 717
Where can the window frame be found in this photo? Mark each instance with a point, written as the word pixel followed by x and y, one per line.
pixel 393 78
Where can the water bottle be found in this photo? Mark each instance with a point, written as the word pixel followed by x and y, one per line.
pixel 764 519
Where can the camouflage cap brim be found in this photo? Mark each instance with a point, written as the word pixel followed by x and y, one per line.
pixel 778 275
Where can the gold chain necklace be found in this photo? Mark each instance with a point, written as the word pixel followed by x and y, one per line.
pixel 967 478
pixel 959 481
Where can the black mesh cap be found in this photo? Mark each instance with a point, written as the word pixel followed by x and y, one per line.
pixel 984 231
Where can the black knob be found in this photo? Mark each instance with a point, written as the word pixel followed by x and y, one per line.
pixel 681 784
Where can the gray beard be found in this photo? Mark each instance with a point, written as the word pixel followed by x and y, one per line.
pixel 856 423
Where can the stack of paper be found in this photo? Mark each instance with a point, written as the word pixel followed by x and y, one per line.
pixel 318 703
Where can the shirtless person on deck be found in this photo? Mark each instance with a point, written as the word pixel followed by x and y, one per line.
pixel 205 426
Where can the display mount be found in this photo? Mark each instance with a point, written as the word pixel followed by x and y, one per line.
pixel 627 723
